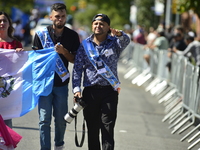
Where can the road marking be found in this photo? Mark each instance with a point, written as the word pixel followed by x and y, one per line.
pixel 122 131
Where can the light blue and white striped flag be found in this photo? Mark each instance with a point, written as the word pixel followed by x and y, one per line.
pixel 24 76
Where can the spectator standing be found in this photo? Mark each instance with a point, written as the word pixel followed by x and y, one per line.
pixel 151 36
pixel 169 32
pixel 27 34
pixel 97 59
pixel 18 30
pixel 177 43
pixel 127 54
pixel 192 50
pixel 8 41
pixel 66 43
pixel 139 35
pixel 160 43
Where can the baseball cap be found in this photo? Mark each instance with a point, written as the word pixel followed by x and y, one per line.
pixel 104 18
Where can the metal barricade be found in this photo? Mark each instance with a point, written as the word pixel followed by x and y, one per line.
pixel 154 62
pixel 161 74
pixel 174 96
pixel 162 71
pixel 157 69
pixel 185 113
pixel 181 98
pixel 191 105
pixel 178 64
pixel 195 103
pixel 181 64
pixel 187 86
pixel 136 63
pixel 175 76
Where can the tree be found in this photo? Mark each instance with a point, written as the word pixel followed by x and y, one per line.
pixel 122 8
pixel 145 14
pixel 24 5
pixel 117 10
pixel 187 5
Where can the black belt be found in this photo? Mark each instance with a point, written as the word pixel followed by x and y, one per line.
pixel 99 86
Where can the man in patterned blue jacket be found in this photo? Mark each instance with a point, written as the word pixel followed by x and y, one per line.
pixel 97 59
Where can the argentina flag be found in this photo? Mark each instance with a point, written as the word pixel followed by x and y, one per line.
pixel 24 76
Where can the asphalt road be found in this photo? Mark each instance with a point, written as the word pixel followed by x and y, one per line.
pixel 139 124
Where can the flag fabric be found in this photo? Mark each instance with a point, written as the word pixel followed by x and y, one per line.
pixel 18 14
pixel 8 137
pixel 24 76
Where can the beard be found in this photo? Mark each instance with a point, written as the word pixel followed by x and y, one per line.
pixel 60 26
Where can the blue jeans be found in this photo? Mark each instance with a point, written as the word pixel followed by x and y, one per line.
pixel 56 102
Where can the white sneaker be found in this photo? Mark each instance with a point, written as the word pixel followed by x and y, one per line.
pixel 59 147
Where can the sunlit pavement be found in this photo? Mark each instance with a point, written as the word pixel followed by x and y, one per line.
pixel 139 124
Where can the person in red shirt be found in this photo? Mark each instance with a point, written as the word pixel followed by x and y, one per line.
pixel 7 41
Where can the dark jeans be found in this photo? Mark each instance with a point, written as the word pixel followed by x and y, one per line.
pixel 100 114
pixel 8 122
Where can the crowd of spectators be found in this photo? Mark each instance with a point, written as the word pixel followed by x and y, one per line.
pixel 173 39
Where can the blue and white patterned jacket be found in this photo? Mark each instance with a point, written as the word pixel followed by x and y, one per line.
pixel 82 64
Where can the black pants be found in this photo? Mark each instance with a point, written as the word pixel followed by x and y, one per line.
pixel 100 115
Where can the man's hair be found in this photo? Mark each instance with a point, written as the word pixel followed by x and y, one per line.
pixel 189 38
pixel 58 6
pixel 180 28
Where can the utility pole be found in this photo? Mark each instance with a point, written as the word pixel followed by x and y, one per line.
pixel 168 13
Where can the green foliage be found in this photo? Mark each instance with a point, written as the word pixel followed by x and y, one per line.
pixel 145 14
pixel 24 5
pixel 186 5
pixel 117 10
pixel 84 18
